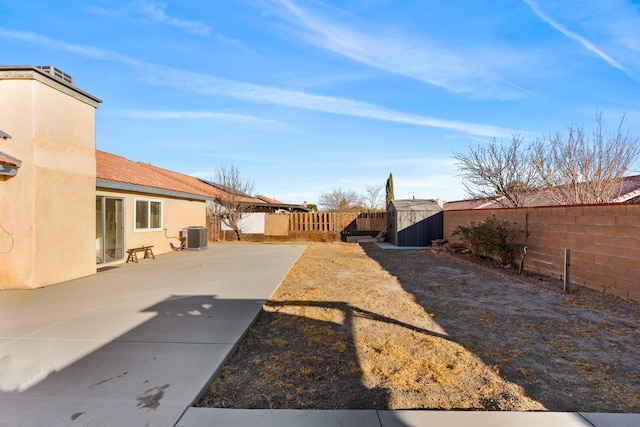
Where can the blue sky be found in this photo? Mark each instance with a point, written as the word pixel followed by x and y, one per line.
pixel 306 96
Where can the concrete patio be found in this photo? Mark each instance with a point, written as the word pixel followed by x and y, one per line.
pixel 137 344
pixel 132 345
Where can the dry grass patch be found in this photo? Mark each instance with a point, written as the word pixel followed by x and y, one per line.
pixel 361 328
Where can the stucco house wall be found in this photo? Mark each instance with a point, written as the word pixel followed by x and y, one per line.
pixel 48 208
pixel 177 213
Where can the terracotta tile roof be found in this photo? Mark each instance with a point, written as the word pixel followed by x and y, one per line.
pixel 110 167
pixel 8 160
pixel 189 181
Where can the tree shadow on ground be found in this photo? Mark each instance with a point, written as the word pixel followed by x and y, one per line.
pixel 306 360
pixel 565 356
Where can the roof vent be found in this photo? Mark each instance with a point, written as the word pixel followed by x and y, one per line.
pixel 56 73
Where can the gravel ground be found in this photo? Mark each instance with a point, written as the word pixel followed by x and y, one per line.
pixel 363 328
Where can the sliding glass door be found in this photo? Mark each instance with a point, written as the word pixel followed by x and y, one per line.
pixel 109 229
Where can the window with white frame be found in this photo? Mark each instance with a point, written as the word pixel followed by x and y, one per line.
pixel 147 215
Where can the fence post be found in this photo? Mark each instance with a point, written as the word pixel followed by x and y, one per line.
pixel 566 277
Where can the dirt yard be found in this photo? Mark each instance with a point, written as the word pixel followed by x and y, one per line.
pixel 363 328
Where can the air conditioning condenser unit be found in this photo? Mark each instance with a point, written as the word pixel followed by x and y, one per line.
pixel 196 238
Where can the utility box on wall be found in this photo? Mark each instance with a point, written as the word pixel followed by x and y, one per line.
pixel 414 222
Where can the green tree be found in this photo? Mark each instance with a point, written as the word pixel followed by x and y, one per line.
pixel 389 189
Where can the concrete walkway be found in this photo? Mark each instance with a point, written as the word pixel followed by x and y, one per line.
pixel 137 344
pixel 134 345
pixel 203 417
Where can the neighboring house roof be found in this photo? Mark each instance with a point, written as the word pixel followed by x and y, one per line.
pixel 629 191
pixel 221 189
pixel 277 204
pixel 268 199
pixel 466 204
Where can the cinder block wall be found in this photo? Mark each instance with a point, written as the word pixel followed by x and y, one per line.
pixel 604 241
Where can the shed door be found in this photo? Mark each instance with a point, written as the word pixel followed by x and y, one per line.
pixel 422 232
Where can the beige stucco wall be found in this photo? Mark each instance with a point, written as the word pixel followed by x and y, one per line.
pixel 177 214
pixel 48 208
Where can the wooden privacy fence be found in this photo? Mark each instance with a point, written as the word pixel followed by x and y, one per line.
pixel 313 226
pixel 335 222
pixel 315 221
pixel 371 221
pixel 214 228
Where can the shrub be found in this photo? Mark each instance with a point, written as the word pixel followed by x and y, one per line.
pixel 489 238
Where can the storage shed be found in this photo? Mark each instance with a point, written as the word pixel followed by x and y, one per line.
pixel 414 222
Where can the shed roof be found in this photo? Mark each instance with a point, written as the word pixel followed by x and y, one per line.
pixel 416 204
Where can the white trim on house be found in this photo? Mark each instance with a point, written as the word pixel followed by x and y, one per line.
pixel 149 217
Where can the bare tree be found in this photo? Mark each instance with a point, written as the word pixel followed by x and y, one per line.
pixel 339 199
pixel 233 201
pixel 372 198
pixel 586 167
pixel 574 168
pixel 503 173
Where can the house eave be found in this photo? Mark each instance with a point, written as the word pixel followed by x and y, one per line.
pixel 121 186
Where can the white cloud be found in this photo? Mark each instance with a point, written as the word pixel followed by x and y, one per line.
pixel 167 115
pixel 154 12
pixel 88 51
pixel 205 84
pixel 580 39
pixel 157 13
pixel 210 85
pixel 463 72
